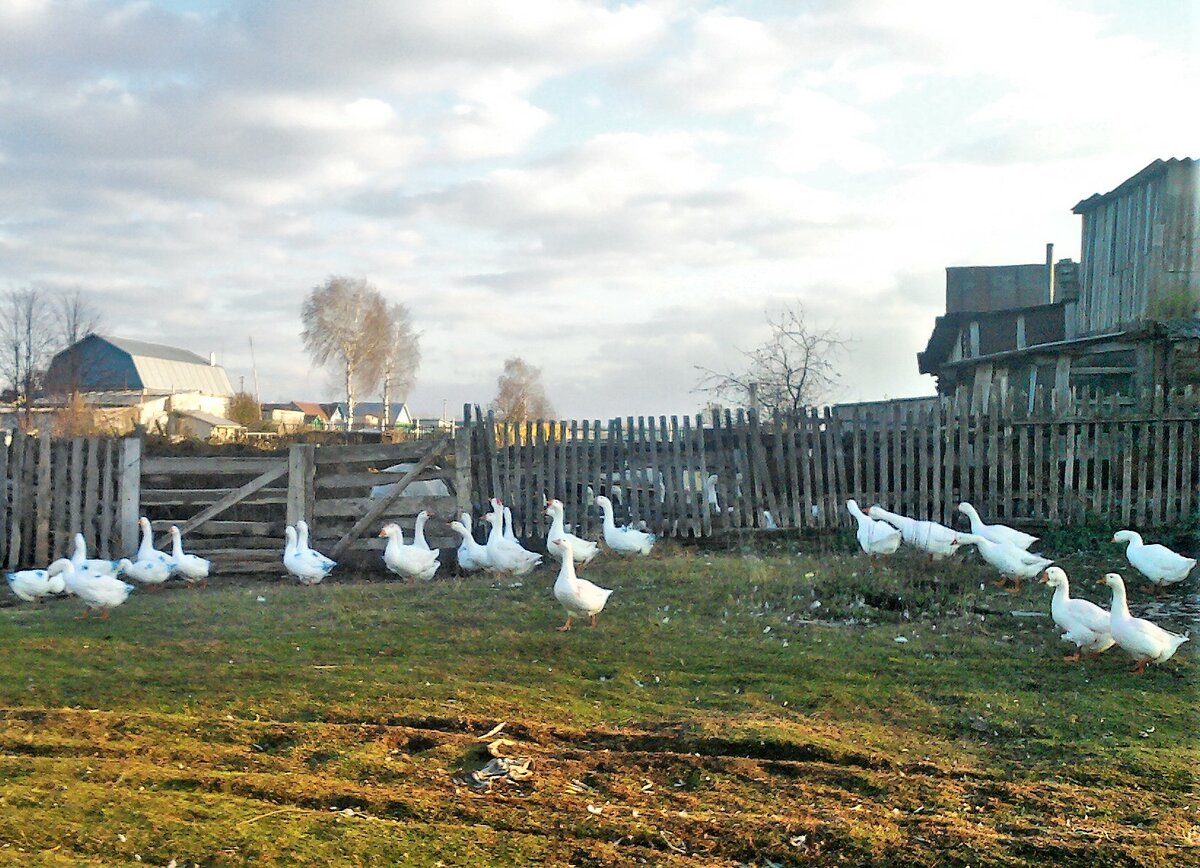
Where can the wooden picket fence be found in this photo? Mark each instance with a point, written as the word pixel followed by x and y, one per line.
pixel 1049 461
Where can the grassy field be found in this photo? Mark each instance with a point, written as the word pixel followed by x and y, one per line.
pixel 718 715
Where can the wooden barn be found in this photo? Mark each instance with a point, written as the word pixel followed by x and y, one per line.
pixel 1121 320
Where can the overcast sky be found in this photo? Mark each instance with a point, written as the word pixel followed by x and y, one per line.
pixel 614 192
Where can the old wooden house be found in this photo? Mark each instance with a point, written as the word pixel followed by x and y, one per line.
pixel 1122 319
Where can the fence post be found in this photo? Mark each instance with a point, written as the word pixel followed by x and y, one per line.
pixel 462 469
pixel 16 463
pixel 301 497
pixel 41 545
pixel 130 492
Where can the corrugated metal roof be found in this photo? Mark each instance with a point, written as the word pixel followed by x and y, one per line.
pixel 173 369
pixel 155 351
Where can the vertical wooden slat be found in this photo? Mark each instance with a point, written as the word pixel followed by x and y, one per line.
pixel 1159 469
pixel 689 477
pixel 783 491
pixel 61 541
pixel 804 437
pixel 91 492
pixel 1171 469
pixel 937 428
pixel 791 462
pixel 41 546
pixel 897 494
pixel 573 478
pixel 16 466
pixel 29 502
pixel 924 465
pixel 1187 478
pixel 871 460
pixel 1055 468
pixel 839 515
pixel 108 502
pixel 964 449
pixel 1038 479
pixel 992 457
pixel 595 466
pixel 531 490
pixel 674 480
pixel 129 492
pixel 1127 457
pixel 705 514
pixel 6 489
pixel 762 470
pixel 725 469
pixel 856 453
pixel 566 481
pixel 1069 475
pixel 820 485
pixel 637 488
pixel 748 493
pixel 949 420
pixel 75 487
pixel 910 460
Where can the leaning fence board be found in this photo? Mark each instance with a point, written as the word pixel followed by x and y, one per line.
pixel 279 468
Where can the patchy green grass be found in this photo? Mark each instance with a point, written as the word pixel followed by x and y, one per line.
pixel 717 715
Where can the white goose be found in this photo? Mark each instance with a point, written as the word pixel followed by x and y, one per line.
pixel 936 539
pixel 1082 621
pixel 623 540
pixel 997 533
pixel 80 559
pixel 303 546
pixel 1011 562
pixel 507 557
pixel 1156 562
pixel 1143 641
pixel 408 561
pixel 874 537
pixel 193 568
pixel 508 528
pixel 300 562
pixel 471 555
pixel 146 551
pixel 32 585
pixel 584 551
pixel 419 530
pixel 581 598
pixel 97 590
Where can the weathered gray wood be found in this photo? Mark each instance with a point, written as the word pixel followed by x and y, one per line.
pixel 389 453
pixel 16 463
pixel 529 491
pixel 227 528
pixel 41 546
pixel 352 507
pixel 129 493
pixel 29 502
pixel 379 506
pixel 60 535
pixel 91 493
pixel 75 489
pixel 837 511
pixel 1187 481
pixel 1127 455
pixel 207 496
pixel 792 465
pixel 706 523
pixel 279 469
pixel 746 492
pixel 212 465
pixel 6 489
pixel 462 468
pixel 1158 471
pixel 108 501
pixel 301 470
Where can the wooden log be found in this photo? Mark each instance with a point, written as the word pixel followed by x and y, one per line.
pixel 301 474
pixel 382 504
pixel 41 545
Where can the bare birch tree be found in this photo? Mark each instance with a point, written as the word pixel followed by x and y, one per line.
pixel 793 369
pixel 401 360
pixel 520 393
pixel 75 318
pixel 27 334
pixel 346 326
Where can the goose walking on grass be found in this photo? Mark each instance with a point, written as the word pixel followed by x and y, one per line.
pixel 874 537
pixel 96 590
pixel 408 561
pixel 471 555
pixel 1082 621
pixel 303 546
pixel 34 585
pixel 505 556
pixel 1156 562
pixel 1143 641
pixel 146 551
pixel 997 533
pixel 623 540
pixel 193 568
pixel 581 598
pixel 584 550
pixel 301 563
pixel 100 565
pixel 935 539
pixel 1014 564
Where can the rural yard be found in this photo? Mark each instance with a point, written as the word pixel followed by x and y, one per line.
pixel 735 707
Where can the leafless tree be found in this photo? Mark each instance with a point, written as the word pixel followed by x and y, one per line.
pixel 28 338
pixel 792 369
pixel 520 393
pixel 346 325
pixel 402 358
pixel 75 318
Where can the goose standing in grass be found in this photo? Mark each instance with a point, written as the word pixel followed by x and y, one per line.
pixel 303 546
pixel 193 568
pixel 874 537
pixel 419 540
pixel 1143 641
pixel 1011 562
pixel 997 533
pixel 33 585
pixel 300 562
pixel 471 555
pixel 584 551
pixel 409 561
pixel 935 539
pixel 80 558
pixel 507 557
pixel 97 590
pixel 146 551
pixel 508 528
pixel 581 598
pixel 1156 562
pixel 623 540
pixel 1082 621
pixel 151 572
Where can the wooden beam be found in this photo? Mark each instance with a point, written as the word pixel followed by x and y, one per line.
pixel 380 506
pixel 280 468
